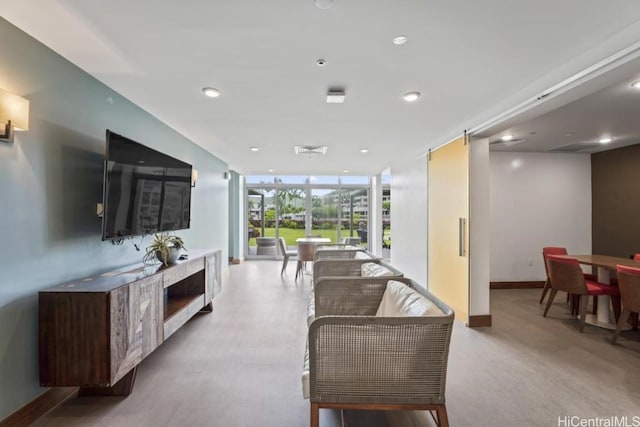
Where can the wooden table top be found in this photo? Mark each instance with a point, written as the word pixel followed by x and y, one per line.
pixel 313 240
pixel 108 281
pixel 605 261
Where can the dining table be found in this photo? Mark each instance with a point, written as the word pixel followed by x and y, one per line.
pixel 605 264
pixel 307 249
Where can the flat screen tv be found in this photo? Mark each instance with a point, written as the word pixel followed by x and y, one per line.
pixel 145 191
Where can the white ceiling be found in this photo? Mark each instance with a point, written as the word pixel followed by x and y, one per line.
pixel 469 59
pixel 606 106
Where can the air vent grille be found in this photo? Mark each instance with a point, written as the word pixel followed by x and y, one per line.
pixel 507 143
pixel 574 148
pixel 310 149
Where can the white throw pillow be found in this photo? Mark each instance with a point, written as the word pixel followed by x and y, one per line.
pixel 372 269
pixel 362 255
pixel 399 300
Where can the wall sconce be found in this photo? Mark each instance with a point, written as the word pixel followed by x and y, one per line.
pixel 14 115
pixel 194 177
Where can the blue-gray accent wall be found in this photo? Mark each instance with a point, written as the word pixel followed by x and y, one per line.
pixel 50 182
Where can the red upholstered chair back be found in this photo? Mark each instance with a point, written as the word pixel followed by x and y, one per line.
pixel 636 257
pixel 629 284
pixel 551 250
pixel 566 275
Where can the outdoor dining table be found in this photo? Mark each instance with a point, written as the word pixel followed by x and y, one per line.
pixel 605 265
pixel 306 250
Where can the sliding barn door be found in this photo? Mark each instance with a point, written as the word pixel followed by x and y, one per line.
pixel 448 254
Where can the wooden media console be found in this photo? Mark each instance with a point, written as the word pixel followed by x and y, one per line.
pixel 94 332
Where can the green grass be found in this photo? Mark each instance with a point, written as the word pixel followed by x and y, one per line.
pixel 291 235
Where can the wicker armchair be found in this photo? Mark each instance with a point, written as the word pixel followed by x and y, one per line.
pixel 341 251
pixel 359 361
pixel 346 267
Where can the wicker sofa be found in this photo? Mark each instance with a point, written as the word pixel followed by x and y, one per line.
pixel 341 251
pixel 343 268
pixel 324 267
pixel 377 343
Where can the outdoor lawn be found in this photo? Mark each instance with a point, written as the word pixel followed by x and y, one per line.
pixel 290 235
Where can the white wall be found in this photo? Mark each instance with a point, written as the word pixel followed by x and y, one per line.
pixel 479 227
pixel 537 200
pixel 409 219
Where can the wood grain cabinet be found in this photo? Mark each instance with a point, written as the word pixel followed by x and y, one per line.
pixel 94 332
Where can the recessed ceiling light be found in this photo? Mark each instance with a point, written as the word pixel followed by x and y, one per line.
pixel 507 137
pixel 411 96
pixel 211 92
pixel 346 171
pixel 399 40
pixel 323 4
pixel 254 149
pixel 364 150
pixel 636 85
pixel 605 140
pixel 321 62
pixel 270 170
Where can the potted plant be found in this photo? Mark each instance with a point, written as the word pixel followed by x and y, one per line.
pixel 165 247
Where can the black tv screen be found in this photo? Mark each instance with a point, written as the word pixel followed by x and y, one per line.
pixel 145 191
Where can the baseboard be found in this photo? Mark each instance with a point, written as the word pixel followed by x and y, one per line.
pixel 517 285
pixel 38 407
pixel 479 321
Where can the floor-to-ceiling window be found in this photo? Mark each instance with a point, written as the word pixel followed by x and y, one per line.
pixel 386 215
pixel 293 207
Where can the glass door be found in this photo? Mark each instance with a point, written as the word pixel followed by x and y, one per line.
pixel 291 207
pixel 325 215
pixel 261 226
pixel 355 214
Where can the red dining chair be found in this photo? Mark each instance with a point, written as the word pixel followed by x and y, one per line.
pixel 629 285
pixel 558 250
pixel 614 280
pixel 566 275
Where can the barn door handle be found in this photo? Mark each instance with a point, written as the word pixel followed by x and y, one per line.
pixel 461 228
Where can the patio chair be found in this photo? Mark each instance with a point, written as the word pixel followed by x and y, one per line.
pixel 286 253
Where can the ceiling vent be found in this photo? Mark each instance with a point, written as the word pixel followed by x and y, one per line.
pixel 575 148
pixel 335 96
pixel 310 150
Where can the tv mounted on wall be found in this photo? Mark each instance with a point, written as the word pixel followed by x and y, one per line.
pixel 145 191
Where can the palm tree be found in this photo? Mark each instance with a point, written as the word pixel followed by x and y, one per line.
pixel 286 197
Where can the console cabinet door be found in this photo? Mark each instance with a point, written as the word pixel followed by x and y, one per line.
pixel 210 278
pixel 136 324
